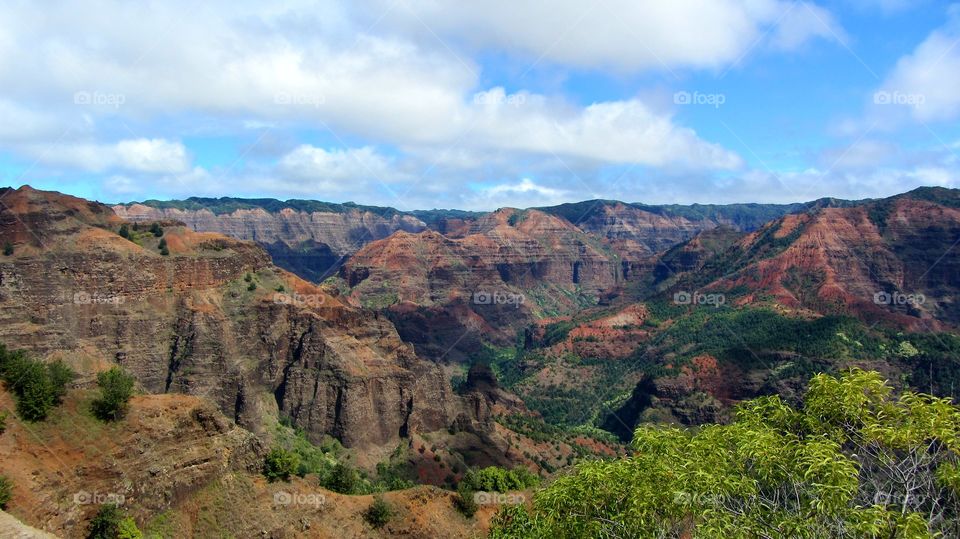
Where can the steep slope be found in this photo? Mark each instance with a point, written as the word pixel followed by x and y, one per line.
pixel 215 319
pixel 490 276
pixel 639 229
pixel 181 469
pixel 308 238
pixel 891 261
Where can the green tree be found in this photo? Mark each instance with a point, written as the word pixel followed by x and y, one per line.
pixel 465 500
pixel 124 231
pixel 280 464
pixel 116 388
pixel 156 230
pixel 853 461
pixel 164 250
pixel 379 512
pixel 343 479
pixel 35 392
pixel 7 249
pixel 6 491
pixel 111 523
pixel 60 377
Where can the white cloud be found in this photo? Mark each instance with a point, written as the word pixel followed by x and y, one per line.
pixel 924 83
pixel 292 67
pixel 139 155
pixel 336 170
pixel 621 34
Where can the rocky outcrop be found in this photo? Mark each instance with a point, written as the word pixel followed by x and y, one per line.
pixel 891 261
pixel 492 276
pixel 215 319
pixel 311 244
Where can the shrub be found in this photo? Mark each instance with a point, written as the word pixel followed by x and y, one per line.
pixel 38 386
pixel 251 287
pixel 60 377
pixel 3 422
pixel 343 479
pixel 379 512
pixel 156 230
pixel 853 460
pixel 6 491
pixel 7 249
pixel 111 523
pixel 465 500
pixel 124 232
pixel 35 392
pixel 116 388
pixel 495 479
pixel 280 464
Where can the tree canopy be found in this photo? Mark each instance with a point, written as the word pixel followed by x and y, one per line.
pixel 855 460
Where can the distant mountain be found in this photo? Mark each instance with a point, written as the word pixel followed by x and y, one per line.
pixel 313 238
pixel 893 260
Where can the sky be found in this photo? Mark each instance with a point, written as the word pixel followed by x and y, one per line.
pixel 421 104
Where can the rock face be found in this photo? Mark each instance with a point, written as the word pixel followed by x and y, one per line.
pixel 213 319
pixel 167 448
pixel 311 244
pixel 489 276
pixel 891 261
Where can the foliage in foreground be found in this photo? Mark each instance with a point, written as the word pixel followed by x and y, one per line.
pixel 854 461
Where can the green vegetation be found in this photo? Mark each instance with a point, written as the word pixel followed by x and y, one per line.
pixel 6 491
pixel 111 523
pixel 496 479
pixel 3 422
pixel 7 249
pixel 116 388
pixel 379 512
pixel 156 230
pixel 854 461
pixel 60 377
pixel 280 464
pixel 38 387
pixel 465 500
pixel 124 231
pixel 164 250
pixel 328 461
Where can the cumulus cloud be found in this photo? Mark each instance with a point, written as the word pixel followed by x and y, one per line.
pixel 139 155
pixel 336 170
pixel 924 83
pixel 626 35
pixel 260 66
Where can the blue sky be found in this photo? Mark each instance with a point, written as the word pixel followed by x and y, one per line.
pixel 418 104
